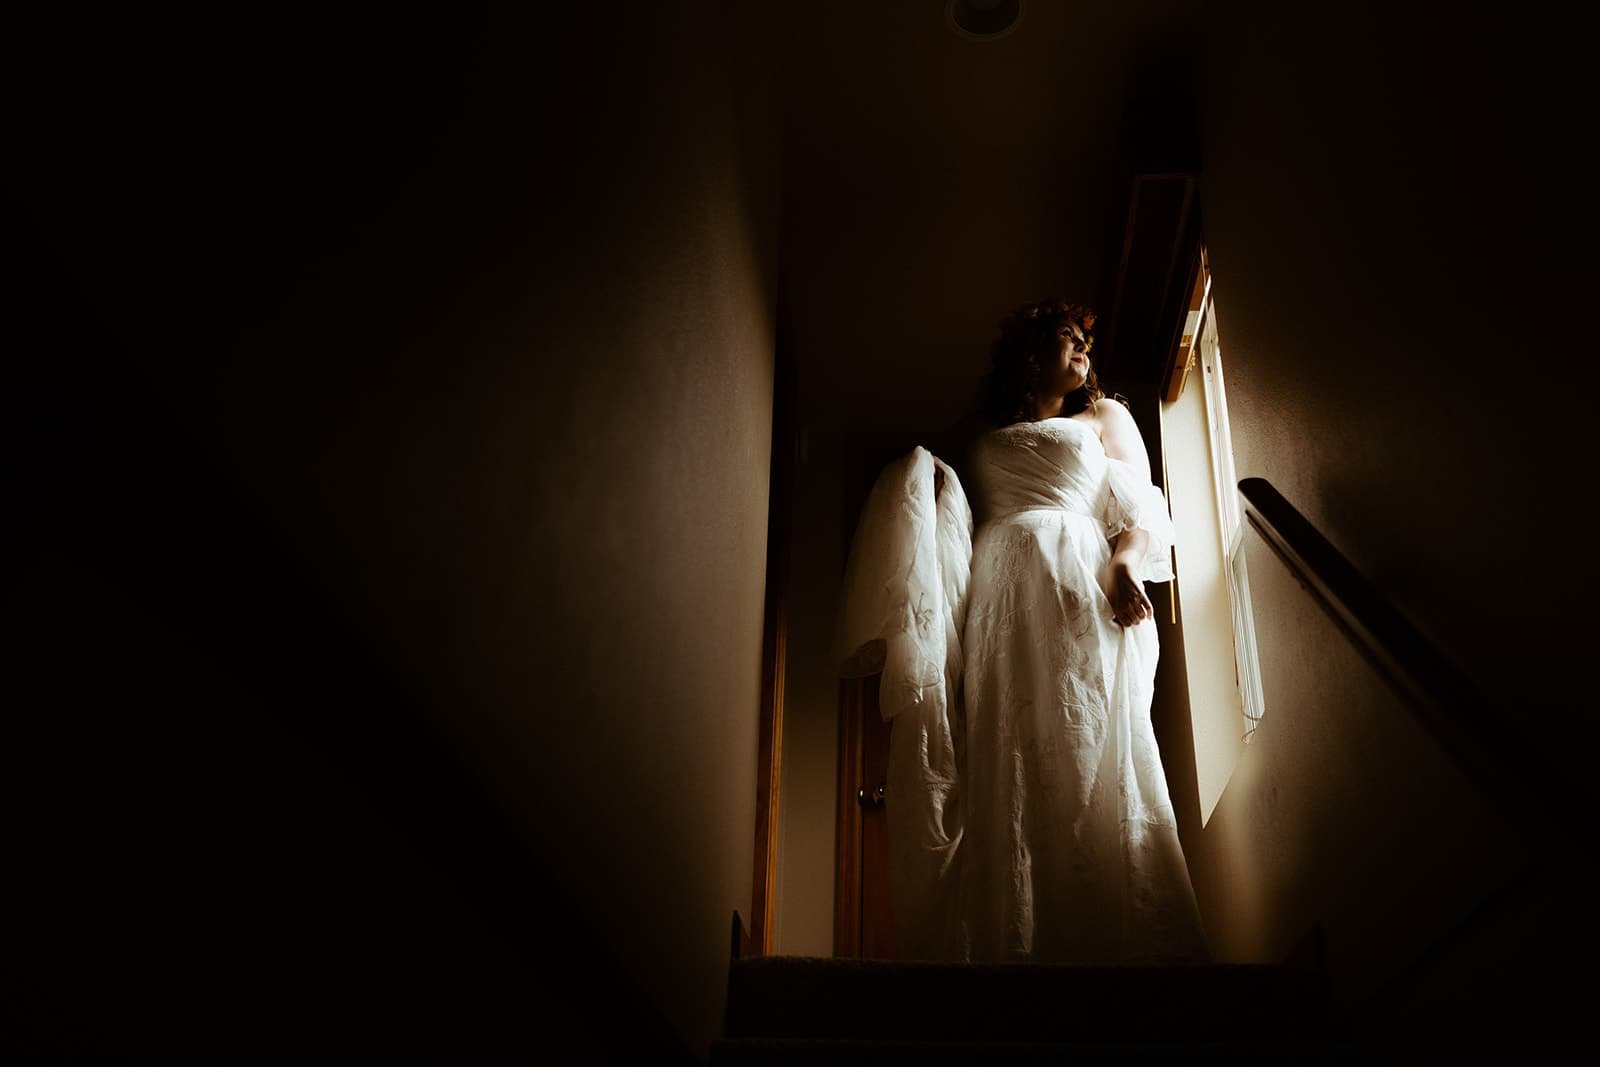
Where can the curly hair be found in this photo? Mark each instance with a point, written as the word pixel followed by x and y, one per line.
pixel 1030 340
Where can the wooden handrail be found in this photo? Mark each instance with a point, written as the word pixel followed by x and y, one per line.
pixel 1480 737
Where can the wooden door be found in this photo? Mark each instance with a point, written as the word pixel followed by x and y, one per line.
pixel 863 922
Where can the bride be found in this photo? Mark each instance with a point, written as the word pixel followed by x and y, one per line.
pixel 1070 851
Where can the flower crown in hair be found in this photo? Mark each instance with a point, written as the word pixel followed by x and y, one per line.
pixel 1084 317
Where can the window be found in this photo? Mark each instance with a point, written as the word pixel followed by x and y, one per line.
pixel 1212 591
pixel 1230 517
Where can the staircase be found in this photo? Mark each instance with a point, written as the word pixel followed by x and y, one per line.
pixel 790 1010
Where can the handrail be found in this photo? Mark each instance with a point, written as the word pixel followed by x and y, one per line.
pixel 1480 737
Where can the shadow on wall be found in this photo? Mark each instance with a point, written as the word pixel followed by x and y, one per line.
pixel 1344 814
pixel 242 841
pixel 328 486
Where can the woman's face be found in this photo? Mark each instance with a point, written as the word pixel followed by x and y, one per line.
pixel 1072 366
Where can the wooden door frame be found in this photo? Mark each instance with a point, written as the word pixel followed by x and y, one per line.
pixel 768 772
pixel 774 639
pixel 847 852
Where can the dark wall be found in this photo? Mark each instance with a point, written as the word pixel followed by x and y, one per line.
pixel 392 448
pixel 240 840
pixel 1401 249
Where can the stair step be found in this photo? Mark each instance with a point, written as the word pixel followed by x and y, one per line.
pixel 819 999
pixel 773 1052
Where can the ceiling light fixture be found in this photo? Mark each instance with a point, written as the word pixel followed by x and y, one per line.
pixel 983 20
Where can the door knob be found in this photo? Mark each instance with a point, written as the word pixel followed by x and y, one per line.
pixel 875 798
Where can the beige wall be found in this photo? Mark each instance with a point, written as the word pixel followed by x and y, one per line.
pixel 806 843
pixel 1401 281
pixel 480 313
pixel 1397 277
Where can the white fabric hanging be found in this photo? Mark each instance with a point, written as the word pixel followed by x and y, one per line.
pixel 902 612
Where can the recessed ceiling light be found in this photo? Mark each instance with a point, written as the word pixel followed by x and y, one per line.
pixel 983 20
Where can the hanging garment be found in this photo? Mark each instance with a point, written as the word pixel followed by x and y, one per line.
pixel 902 612
pixel 1070 849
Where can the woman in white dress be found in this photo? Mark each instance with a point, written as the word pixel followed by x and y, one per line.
pixel 1071 852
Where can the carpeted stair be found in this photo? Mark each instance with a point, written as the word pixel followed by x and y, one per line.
pixel 785 1010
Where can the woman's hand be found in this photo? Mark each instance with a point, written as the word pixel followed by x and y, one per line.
pixel 1129 605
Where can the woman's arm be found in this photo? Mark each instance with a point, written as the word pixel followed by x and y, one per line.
pixel 1129 605
pixel 1120 436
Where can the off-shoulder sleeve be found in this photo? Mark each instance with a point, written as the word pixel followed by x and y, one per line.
pixel 1134 502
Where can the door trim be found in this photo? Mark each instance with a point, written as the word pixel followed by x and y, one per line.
pixel 774 638
pixel 847 861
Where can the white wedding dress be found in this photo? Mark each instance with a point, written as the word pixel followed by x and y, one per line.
pixel 1070 851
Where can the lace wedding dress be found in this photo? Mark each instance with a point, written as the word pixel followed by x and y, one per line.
pixel 1070 851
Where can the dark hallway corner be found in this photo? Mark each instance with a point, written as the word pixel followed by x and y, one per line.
pixel 314 504
pixel 241 843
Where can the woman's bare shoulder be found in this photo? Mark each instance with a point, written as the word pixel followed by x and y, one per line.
pixel 1120 433
pixel 1112 415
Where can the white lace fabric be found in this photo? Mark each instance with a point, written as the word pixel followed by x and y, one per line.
pixel 1071 851
pixel 902 613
